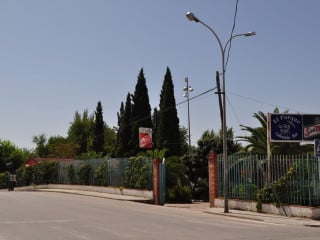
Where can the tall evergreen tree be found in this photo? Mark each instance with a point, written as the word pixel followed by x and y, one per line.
pixel 124 130
pixel 155 122
pixel 98 141
pixel 168 130
pixel 141 112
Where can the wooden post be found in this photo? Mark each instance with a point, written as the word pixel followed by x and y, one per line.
pixel 156 181
pixel 213 177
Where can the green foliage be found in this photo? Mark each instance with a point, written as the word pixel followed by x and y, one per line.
pixel 41 148
pixel 179 193
pixel 137 173
pixel 28 175
pixel 197 164
pixel 245 191
pixel 101 174
pixel 178 187
pixel 124 130
pixel 46 172
pixel 84 173
pixel 141 112
pixel 156 153
pixel 42 173
pixel 71 173
pixel 81 131
pixel 4 180
pixel 98 141
pixel 275 191
pixel 168 134
pixel 11 157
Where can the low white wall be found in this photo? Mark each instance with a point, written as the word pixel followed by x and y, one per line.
pixel 287 210
pixel 113 190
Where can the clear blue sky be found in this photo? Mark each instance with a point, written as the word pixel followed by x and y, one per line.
pixel 62 56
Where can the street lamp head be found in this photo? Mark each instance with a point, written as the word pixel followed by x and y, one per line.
pixel 192 17
pixel 249 34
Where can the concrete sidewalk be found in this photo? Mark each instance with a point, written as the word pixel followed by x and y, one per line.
pixel 246 215
pixel 267 218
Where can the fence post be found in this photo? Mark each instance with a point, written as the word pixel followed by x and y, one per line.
pixel 156 181
pixel 213 177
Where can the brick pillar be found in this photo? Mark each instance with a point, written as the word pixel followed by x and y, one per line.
pixel 156 181
pixel 213 177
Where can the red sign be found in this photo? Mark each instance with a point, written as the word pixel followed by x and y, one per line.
pixel 145 137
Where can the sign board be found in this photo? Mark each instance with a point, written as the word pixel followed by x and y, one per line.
pixel 311 127
pixel 286 127
pixel 145 137
pixel 294 127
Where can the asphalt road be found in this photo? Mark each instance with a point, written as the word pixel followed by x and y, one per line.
pixel 43 215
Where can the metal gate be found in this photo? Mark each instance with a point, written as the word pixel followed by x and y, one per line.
pixel 162 183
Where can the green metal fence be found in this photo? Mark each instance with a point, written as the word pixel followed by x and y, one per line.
pixel 112 171
pixel 290 179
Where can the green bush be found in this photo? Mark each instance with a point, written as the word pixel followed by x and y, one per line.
pixel 4 180
pixel 179 193
pixel 101 174
pixel 71 173
pixel 46 172
pixel 275 192
pixel 178 187
pixel 138 174
pixel 42 173
pixel 84 173
pixel 245 191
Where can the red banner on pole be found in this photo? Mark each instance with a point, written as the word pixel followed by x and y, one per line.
pixel 145 137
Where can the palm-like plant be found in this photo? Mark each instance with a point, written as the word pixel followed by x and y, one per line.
pixel 257 140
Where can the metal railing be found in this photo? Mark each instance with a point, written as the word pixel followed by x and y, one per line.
pixel 294 179
pixel 106 172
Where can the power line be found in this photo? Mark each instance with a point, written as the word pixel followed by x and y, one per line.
pixel 262 102
pixel 177 104
pixel 233 27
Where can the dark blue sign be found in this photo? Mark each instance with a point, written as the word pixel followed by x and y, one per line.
pixel 286 127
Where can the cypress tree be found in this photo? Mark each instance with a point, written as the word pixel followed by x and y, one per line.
pixel 155 122
pixel 124 131
pixel 141 112
pixel 98 141
pixel 168 130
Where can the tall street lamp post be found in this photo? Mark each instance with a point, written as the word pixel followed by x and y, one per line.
pixel 187 89
pixel 192 17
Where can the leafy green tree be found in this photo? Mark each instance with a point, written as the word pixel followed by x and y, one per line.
pixel 141 112
pixel 59 146
pixel 81 131
pixel 155 122
pixel 41 148
pixel 98 141
pixel 110 140
pixel 124 128
pixel 168 134
pixel 11 157
pixel 197 164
